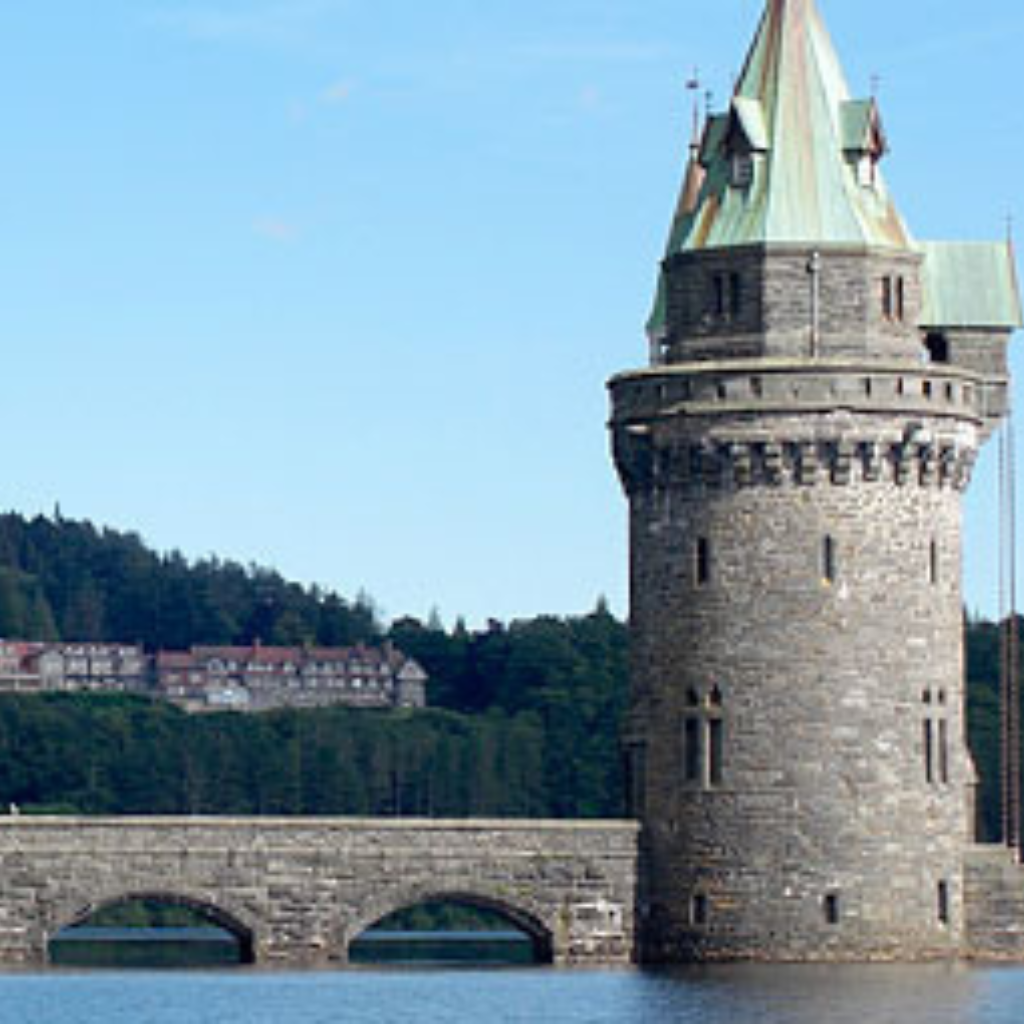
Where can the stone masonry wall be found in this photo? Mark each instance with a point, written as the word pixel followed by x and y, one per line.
pixel 775 308
pixel 825 813
pixel 300 890
pixel 994 889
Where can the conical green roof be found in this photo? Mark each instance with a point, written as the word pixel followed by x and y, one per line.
pixel 794 160
pixel 811 151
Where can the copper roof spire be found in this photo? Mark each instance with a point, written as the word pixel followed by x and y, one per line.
pixel 793 159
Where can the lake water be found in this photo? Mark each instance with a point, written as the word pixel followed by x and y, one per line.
pixel 763 995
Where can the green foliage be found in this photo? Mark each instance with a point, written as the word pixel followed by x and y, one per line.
pixel 566 678
pixel 524 721
pixel 148 914
pixel 543 745
pixel 983 723
pixel 103 755
pixel 61 579
pixel 444 917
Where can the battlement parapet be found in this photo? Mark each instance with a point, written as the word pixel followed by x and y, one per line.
pixel 766 386
pixel 911 460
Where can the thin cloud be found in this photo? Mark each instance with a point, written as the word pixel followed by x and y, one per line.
pixel 592 99
pixel 280 21
pixel 338 93
pixel 276 229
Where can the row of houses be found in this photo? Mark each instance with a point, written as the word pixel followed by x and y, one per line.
pixel 255 678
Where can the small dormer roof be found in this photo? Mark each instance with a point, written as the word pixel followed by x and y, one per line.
pixel 794 113
pixel 862 130
pixel 748 116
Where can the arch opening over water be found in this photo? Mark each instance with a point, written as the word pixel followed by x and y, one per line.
pixel 453 928
pixel 148 930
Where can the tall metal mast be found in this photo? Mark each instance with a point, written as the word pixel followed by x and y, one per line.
pixel 1010 683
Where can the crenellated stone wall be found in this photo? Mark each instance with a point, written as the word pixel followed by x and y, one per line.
pixel 797 731
pixel 299 891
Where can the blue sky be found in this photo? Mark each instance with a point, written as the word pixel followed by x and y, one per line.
pixel 335 285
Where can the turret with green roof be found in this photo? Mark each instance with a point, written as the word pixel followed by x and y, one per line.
pixel 794 458
pixel 795 162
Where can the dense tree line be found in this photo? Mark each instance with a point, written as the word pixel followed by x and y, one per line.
pixel 115 755
pixel 545 743
pixel 68 580
pixel 983 722
pixel 524 719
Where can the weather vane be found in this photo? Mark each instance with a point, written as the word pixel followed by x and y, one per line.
pixel 693 84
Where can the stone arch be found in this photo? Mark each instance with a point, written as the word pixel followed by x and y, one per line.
pixel 76 912
pixel 522 912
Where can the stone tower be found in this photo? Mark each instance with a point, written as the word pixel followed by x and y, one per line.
pixel 794 458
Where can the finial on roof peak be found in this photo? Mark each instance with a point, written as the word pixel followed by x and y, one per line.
pixel 794 158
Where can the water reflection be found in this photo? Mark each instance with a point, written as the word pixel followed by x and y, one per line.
pixel 931 994
pixel 737 995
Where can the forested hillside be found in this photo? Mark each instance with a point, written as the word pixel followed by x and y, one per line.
pixel 524 721
pixel 68 580
pixel 542 743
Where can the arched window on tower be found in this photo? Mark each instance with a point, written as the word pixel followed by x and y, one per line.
pixel 887 298
pixel 702 562
pixel 703 753
pixel 935 737
pixel 937 347
pixel 943 903
pixel 829 559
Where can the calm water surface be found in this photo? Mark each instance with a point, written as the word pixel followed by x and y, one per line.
pixel 932 995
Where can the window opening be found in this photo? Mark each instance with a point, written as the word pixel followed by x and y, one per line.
pixel 943 902
pixel 944 751
pixel 831 907
pixel 741 170
pixel 703 562
pixel 828 560
pixel 692 753
pixel 735 294
pixel 699 910
pixel 718 286
pixel 933 563
pixel 938 347
pixel 887 297
pixel 727 295
pixel 936 734
pixel 704 740
pixel 716 750
pixel 901 296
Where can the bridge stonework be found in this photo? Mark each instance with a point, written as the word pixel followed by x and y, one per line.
pixel 299 891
